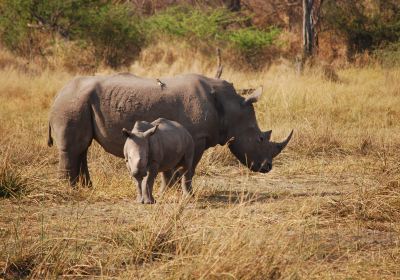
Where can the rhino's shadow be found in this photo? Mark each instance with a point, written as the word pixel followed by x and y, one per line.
pixel 248 197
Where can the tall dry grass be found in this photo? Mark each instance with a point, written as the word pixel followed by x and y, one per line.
pixel 329 208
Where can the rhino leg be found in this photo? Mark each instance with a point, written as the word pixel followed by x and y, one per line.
pixel 187 180
pixel 69 166
pixel 200 147
pixel 168 179
pixel 171 177
pixel 139 197
pixel 147 185
pixel 187 172
pixel 84 175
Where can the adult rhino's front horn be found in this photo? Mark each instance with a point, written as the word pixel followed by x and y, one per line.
pixel 279 146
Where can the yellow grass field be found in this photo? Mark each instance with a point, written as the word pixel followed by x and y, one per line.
pixel 329 209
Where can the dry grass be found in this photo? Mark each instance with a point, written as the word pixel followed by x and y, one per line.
pixel 329 209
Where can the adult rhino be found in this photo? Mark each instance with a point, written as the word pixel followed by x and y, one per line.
pixel 99 107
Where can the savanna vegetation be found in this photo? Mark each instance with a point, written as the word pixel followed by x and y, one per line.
pixel 330 208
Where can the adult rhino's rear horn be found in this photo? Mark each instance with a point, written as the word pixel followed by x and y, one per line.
pixel 281 145
pixel 220 67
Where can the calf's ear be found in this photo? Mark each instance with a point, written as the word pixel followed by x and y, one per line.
pixel 150 131
pixel 125 133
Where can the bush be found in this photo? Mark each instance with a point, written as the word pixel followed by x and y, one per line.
pixel 389 56
pixel 28 27
pixel 184 21
pixel 114 33
pixel 14 20
pixel 365 27
pixel 251 40
pixel 218 26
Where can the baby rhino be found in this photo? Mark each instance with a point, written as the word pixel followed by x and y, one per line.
pixel 157 147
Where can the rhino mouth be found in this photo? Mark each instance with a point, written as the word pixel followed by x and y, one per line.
pixel 262 168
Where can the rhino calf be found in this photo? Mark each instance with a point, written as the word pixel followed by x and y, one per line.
pixel 157 147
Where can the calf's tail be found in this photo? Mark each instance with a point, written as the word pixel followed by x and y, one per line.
pixel 49 139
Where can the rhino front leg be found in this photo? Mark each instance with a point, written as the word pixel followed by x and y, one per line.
pixel 147 186
pixel 139 197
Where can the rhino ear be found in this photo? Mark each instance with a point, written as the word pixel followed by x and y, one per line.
pixel 125 133
pixel 267 135
pixel 136 126
pixel 150 131
pixel 254 97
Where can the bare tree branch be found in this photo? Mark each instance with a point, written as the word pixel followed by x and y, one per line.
pixel 220 67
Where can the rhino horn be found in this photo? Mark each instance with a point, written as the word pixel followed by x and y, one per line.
pixel 281 145
pixel 254 97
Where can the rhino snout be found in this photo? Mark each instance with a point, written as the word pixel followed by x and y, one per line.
pixel 266 167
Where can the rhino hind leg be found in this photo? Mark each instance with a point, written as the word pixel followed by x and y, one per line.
pixel 169 179
pixel 69 167
pixel 187 180
pixel 187 171
pixel 84 176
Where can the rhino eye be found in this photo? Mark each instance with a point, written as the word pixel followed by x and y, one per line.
pixel 260 138
pixel 126 160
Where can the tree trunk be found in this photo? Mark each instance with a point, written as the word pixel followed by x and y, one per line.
pixel 311 20
pixel 308 29
pixel 232 5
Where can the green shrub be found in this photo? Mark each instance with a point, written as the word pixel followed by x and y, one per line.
pixel 217 26
pixel 112 30
pixel 14 20
pixel 388 56
pixel 185 21
pixel 251 40
pixel 114 33
pixel 365 27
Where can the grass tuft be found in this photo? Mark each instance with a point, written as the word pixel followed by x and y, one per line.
pixel 12 182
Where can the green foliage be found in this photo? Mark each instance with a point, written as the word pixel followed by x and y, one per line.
pixel 115 34
pixel 14 19
pixel 389 56
pixel 365 27
pixel 250 40
pixel 211 26
pixel 184 21
pixel 111 30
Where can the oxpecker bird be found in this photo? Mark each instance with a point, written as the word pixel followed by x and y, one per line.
pixel 162 85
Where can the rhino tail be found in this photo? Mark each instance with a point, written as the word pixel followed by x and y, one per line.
pixel 49 139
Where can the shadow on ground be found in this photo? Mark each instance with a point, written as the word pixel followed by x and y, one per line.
pixel 220 198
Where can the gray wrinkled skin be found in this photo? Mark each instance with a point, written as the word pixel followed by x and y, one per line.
pixel 98 107
pixel 154 147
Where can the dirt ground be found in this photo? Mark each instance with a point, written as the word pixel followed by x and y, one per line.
pixel 329 209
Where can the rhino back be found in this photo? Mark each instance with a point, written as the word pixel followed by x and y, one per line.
pixel 118 101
